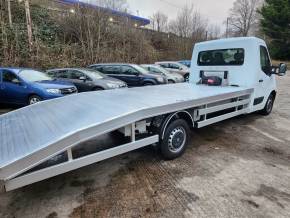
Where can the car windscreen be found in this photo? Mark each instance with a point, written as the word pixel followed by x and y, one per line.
pixel 222 57
pixel 140 69
pixel 94 74
pixel 34 76
pixel 162 70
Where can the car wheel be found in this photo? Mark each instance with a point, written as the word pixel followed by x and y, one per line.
pixel 34 99
pixel 171 81
pixel 175 139
pixel 186 78
pixel 269 106
pixel 97 89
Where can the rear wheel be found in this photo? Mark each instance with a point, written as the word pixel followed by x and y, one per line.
pixel 34 99
pixel 171 81
pixel 186 78
pixel 175 139
pixel 269 106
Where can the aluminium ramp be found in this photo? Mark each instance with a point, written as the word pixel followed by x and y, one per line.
pixel 32 135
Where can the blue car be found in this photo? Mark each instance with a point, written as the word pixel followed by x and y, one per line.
pixel 22 86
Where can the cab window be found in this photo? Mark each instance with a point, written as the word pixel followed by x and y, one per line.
pixel 174 66
pixel 76 74
pixel 164 65
pixel 129 70
pixel 111 70
pixel 222 57
pixel 9 77
pixel 62 74
pixel 265 60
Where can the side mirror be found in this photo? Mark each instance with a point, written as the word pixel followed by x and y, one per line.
pixel 16 81
pixel 282 69
pixel 136 73
pixel 82 78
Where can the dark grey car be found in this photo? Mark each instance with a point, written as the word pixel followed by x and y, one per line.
pixel 86 79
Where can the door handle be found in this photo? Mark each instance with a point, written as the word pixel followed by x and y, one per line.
pixel 261 80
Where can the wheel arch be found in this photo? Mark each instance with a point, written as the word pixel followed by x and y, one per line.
pixel 274 93
pixel 152 81
pixel 31 94
pixel 97 87
pixel 185 115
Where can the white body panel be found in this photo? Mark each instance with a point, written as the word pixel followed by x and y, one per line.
pixel 248 75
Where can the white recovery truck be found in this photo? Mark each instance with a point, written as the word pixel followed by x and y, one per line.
pixel 228 78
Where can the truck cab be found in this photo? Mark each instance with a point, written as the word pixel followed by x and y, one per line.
pixel 240 62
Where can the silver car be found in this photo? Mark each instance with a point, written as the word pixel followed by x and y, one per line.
pixel 86 79
pixel 176 67
pixel 171 76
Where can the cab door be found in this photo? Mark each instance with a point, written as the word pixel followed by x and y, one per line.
pixel 266 80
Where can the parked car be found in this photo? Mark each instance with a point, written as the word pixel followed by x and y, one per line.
pixel 171 77
pixel 176 68
pixel 87 79
pixel 132 74
pixel 27 86
pixel 185 62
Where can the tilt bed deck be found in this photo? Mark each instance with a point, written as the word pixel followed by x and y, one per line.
pixel 32 135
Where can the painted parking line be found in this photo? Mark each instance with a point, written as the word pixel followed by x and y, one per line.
pixel 266 134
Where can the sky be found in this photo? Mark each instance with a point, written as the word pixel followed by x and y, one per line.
pixel 215 10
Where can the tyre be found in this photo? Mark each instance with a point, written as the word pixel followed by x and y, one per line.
pixel 34 99
pixel 175 139
pixel 170 82
pixel 269 106
pixel 186 78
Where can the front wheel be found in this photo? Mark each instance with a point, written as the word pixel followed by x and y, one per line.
pixel 186 78
pixel 175 139
pixel 34 99
pixel 269 106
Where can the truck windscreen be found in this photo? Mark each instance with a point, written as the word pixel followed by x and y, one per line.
pixel 222 57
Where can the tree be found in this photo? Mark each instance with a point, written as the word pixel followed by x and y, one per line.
pixel 159 22
pixel 243 16
pixel 29 24
pixel 9 12
pixel 275 23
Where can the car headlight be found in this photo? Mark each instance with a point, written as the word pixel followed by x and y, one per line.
pixel 160 79
pixel 53 91
pixel 113 86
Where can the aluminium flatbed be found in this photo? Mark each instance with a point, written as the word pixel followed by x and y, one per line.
pixel 34 134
